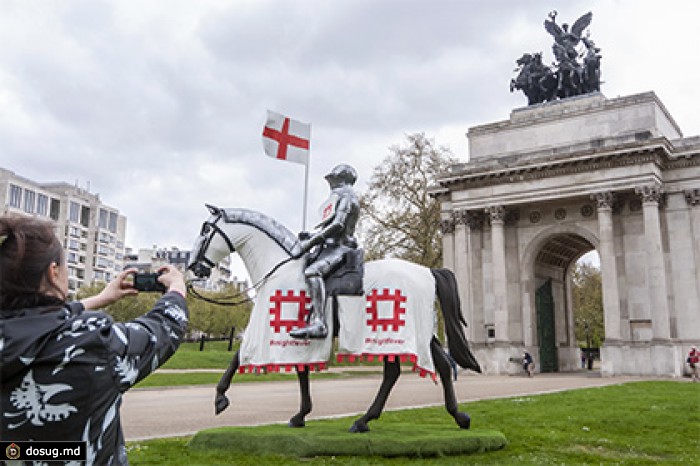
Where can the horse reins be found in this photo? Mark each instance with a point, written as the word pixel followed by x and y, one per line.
pixel 201 257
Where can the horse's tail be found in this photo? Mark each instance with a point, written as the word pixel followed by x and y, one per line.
pixel 448 296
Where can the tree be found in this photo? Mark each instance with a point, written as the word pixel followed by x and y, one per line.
pixel 587 295
pixel 217 320
pixel 398 218
pixel 127 308
pixel 212 319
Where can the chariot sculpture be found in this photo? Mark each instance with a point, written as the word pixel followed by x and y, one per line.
pixel 576 70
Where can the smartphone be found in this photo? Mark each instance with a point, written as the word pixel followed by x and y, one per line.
pixel 148 282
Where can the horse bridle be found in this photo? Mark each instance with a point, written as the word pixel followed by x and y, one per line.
pixel 201 257
pixel 201 254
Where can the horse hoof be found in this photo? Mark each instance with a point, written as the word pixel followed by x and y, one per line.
pixel 359 428
pixel 221 403
pixel 463 420
pixel 296 422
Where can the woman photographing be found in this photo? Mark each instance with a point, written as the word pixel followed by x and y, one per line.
pixel 64 366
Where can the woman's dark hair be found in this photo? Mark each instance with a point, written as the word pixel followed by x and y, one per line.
pixel 28 246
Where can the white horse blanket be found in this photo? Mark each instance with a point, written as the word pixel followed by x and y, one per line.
pixel 395 319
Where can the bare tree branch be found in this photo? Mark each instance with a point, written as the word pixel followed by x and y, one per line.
pixel 399 219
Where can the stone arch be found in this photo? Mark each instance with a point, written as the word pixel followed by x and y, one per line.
pixel 547 249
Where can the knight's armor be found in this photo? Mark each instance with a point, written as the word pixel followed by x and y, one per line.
pixel 328 247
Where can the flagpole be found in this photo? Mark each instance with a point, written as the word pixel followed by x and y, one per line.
pixel 306 184
pixel 306 192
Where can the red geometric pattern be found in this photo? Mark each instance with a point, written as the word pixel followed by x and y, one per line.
pixel 277 322
pixel 396 319
pixel 276 368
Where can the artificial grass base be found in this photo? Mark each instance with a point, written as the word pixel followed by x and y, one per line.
pixel 317 439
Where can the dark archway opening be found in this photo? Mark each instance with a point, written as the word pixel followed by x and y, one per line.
pixel 556 317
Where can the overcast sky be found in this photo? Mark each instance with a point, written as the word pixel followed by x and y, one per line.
pixel 159 105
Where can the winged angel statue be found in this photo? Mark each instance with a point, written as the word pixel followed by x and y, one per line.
pixel 575 71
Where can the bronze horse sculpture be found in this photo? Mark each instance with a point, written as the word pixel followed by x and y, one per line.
pixel 270 253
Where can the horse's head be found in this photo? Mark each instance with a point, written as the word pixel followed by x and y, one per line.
pixel 211 245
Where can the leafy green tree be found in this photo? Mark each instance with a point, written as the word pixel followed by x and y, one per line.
pixel 217 320
pixel 587 295
pixel 212 319
pixel 125 309
pixel 398 218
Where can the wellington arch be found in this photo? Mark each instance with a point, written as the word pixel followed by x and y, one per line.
pixel 553 182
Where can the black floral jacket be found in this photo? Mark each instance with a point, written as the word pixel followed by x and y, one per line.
pixel 64 371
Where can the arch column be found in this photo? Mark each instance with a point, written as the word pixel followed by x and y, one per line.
pixel 461 264
pixel 692 197
pixel 447 228
pixel 608 266
pixel 499 278
pixel 656 272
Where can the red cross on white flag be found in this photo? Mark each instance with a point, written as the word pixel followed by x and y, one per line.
pixel 286 139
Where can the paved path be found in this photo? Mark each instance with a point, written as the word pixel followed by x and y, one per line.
pixel 151 413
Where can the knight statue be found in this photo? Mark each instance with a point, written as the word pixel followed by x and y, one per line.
pixel 330 247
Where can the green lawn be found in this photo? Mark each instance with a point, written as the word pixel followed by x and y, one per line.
pixel 214 356
pixel 633 424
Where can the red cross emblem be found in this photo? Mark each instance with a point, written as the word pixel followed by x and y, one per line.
pixel 288 310
pixel 396 300
pixel 285 139
pixel 327 211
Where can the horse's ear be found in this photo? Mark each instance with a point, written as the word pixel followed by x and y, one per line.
pixel 212 209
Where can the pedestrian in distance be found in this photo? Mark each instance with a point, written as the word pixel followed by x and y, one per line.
pixel 693 361
pixel 528 364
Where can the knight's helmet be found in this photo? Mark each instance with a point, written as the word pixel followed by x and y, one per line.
pixel 342 174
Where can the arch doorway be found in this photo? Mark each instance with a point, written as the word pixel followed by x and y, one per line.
pixel 554 318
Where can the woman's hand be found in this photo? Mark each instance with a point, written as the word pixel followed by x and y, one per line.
pixel 173 279
pixel 113 292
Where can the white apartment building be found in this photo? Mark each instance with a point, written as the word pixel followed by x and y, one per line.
pixel 91 232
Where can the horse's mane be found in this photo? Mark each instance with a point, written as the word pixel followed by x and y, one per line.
pixel 271 227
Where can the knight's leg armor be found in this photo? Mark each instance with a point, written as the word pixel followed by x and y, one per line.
pixel 316 327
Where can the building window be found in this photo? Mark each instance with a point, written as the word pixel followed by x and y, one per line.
pixel 29 200
pixel 73 244
pixel 15 196
pixel 103 263
pixel 113 222
pixel 104 219
pixel 85 216
pixel 55 208
pixel 72 258
pixel 104 250
pixel 42 205
pixel 103 237
pixel 74 212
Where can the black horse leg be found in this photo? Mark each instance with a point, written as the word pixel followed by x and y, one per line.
pixel 305 408
pixel 442 365
pixel 221 402
pixel 392 370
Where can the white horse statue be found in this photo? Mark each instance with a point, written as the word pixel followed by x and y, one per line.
pixel 393 321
